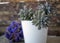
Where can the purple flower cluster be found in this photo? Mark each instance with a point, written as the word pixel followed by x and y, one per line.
pixel 14 31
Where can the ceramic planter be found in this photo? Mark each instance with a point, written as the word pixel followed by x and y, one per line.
pixel 32 34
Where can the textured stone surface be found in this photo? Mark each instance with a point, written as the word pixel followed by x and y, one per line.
pixel 5 40
pixel 53 39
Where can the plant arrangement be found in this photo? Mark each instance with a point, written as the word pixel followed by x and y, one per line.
pixel 39 17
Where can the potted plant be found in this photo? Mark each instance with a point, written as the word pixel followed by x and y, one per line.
pixel 34 24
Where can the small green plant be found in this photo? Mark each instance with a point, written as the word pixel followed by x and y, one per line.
pixel 39 17
pixel 26 14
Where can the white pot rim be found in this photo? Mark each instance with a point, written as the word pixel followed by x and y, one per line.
pixel 30 21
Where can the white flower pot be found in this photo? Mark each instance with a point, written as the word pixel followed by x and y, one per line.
pixel 32 34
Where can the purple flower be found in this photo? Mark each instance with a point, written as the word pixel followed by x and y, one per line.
pixel 14 31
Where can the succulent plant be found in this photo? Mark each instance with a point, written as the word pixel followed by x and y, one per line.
pixel 40 17
pixel 26 13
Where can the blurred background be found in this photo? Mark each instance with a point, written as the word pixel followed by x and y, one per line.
pixel 9 12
